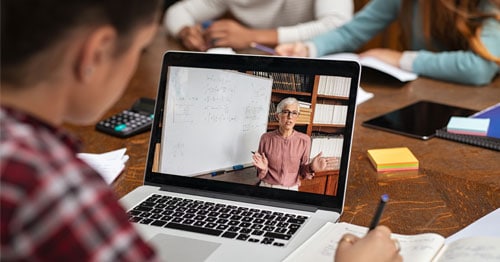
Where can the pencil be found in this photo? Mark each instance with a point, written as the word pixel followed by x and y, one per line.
pixel 378 213
pixel 262 48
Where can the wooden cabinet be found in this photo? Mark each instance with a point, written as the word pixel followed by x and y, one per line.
pixel 325 118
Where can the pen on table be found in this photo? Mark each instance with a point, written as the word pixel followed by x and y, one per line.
pixel 376 218
pixel 263 48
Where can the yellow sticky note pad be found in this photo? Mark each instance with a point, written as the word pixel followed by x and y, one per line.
pixel 393 159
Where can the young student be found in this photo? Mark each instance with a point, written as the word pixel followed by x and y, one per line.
pixel 68 61
pixel 64 61
pixel 283 155
pixel 269 22
pixel 454 41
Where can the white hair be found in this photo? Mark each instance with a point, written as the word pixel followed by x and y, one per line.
pixel 287 101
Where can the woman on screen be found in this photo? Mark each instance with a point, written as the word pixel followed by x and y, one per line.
pixel 283 155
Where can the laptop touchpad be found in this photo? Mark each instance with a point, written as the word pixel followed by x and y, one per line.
pixel 174 248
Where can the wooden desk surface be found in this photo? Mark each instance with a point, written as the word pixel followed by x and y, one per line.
pixel 456 183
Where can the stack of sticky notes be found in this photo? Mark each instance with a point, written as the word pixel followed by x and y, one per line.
pixel 393 159
pixel 468 126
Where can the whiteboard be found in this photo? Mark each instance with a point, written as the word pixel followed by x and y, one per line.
pixel 213 119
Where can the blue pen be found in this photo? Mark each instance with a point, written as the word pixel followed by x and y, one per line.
pixel 206 24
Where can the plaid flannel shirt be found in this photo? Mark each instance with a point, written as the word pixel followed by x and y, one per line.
pixel 54 207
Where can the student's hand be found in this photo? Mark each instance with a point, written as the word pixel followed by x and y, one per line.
pixel 295 49
pixel 260 161
pixel 377 245
pixel 228 33
pixel 389 56
pixel 192 38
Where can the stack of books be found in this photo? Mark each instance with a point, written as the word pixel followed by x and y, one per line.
pixel 393 159
pixel 304 116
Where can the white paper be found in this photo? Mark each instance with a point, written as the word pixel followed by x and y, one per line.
pixel 363 96
pixel 109 165
pixel 488 225
pixel 396 72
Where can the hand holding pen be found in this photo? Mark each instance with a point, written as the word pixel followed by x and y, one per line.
pixel 376 245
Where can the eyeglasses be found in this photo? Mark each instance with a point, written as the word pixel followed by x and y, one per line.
pixel 288 113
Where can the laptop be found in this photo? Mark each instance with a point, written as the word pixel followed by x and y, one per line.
pixel 201 199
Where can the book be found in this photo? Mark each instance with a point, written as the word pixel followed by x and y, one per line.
pixel 492 138
pixel 374 63
pixel 421 247
pixel 393 159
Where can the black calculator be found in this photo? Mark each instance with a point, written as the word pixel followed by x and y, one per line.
pixel 130 122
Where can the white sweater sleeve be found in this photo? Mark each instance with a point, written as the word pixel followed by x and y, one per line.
pixel 190 12
pixel 329 15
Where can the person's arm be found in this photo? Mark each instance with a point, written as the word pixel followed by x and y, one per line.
pixel 372 19
pixel 191 12
pixel 328 15
pixel 68 216
pixel 465 67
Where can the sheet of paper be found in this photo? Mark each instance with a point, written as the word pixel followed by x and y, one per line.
pixel 363 96
pixel 489 225
pixel 322 245
pixel 109 165
pixel 377 64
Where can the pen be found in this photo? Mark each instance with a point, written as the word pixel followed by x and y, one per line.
pixel 253 152
pixel 376 218
pixel 263 48
pixel 206 24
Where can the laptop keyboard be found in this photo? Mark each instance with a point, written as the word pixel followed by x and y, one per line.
pixel 216 219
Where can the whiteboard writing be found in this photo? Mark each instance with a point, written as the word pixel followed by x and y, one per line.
pixel 213 118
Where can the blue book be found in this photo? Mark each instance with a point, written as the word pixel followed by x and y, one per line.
pixel 492 113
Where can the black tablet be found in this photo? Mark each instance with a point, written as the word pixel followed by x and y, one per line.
pixel 419 120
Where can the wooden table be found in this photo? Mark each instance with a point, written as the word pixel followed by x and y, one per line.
pixel 456 183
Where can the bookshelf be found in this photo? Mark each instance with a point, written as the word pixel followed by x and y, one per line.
pixel 322 116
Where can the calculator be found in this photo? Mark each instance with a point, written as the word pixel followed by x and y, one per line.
pixel 136 120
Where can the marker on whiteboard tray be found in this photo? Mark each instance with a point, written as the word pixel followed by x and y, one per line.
pixel 238 167
pixel 253 152
pixel 216 173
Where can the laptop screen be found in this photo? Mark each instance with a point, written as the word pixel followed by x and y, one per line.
pixel 212 111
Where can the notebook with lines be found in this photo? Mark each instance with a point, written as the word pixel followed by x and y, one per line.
pixel 201 199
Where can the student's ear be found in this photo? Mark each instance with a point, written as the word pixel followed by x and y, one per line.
pixel 94 52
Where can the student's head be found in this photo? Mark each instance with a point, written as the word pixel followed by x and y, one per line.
pixel 287 112
pixel 90 45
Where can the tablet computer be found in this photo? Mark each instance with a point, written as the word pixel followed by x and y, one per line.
pixel 420 119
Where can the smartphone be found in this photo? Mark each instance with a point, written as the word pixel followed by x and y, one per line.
pixel 136 120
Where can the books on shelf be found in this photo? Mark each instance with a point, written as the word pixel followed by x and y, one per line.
pixel 334 86
pixel 393 159
pixel 330 145
pixel 330 114
pixel 492 138
pixel 374 63
pixel 288 81
pixel 421 247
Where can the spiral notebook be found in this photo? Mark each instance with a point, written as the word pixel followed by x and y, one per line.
pixel 491 141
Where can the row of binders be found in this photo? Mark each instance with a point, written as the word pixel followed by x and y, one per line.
pixel 334 86
pixel 330 114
